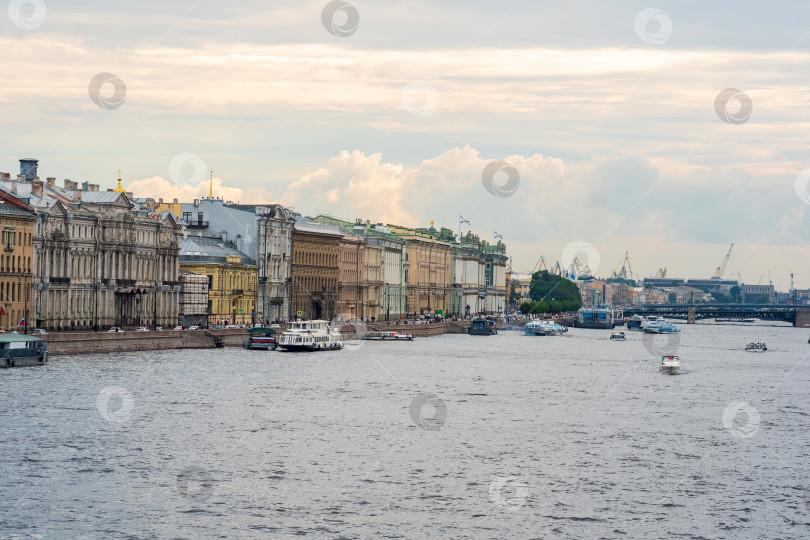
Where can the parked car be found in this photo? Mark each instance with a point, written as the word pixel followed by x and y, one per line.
pixel 142 329
pixel 194 327
pixel 177 328
pixel 115 329
pixel 231 326
pixel 275 325
pixel 39 331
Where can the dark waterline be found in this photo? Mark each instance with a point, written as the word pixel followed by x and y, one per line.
pixel 452 436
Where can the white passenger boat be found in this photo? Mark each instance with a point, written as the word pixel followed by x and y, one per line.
pixel 756 347
pixel 543 328
pixel 310 336
pixel 670 365
pixel 389 336
pixel 618 336
pixel 651 325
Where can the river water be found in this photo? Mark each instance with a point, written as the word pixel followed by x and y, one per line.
pixel 452 436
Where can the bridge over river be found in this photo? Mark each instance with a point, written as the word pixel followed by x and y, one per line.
pixel 773 312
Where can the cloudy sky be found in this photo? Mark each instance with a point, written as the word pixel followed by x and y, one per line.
pixel 611 117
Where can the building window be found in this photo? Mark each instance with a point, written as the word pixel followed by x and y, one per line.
pixel 210 282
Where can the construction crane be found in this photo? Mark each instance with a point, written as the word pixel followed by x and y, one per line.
pixel 760 279
pixel 721 270
pixel 626 271
pixel 662 273
pixel 557 269
pixel 770 281
pixel 540 265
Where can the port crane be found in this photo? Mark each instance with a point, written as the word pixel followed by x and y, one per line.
pixel 721 270
pixel 540 265
pixel 662 272
pixel 626 271
pixel 556 269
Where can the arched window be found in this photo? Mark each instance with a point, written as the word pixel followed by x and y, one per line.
pixel 12 265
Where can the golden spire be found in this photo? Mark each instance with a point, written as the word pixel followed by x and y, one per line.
pixel 119 188
pixel 211 187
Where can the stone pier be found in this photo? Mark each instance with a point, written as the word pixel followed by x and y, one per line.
pixel 802 318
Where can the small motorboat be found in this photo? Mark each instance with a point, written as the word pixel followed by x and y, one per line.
pixel 756 347
pixel 260 338
pixel 670 365
pixel 617 336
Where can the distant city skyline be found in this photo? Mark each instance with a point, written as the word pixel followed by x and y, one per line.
pixel 608 114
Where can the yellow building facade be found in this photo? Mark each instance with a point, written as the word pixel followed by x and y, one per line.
pixel 428 266
pixel 232 279
pixel 17 229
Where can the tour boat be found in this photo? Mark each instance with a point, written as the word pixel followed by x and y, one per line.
pixel 310 336
pixel 17 350
pixel 617 336
pixel 660 327
pixel 634 322
pixel 543 328
pixel 596 318
pixel 756 347
pixel 651 322
pixel 389 336
pixel 482 327
pixel 261 338
pixel 670 365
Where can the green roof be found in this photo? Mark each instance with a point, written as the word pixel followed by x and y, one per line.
pixel 14 338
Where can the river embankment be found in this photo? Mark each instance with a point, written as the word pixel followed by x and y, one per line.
pixel 66 343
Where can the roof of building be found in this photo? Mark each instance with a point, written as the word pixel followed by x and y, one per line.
pixel 306 224
pixel 214 250
pixel 103 197
pixel 8 210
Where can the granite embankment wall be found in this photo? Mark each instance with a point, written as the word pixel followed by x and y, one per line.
pixel 109 342
pixel 60 343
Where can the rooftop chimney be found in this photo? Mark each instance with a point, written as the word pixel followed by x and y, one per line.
pixel 70 184
pixel 160 200
pixel 51 181
pixel 28 168
pixel 36 188
pixel 14 184
pixel 93 187
pixel 85 185
pixel 77 195
pixel 6 176
pixel 175 201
